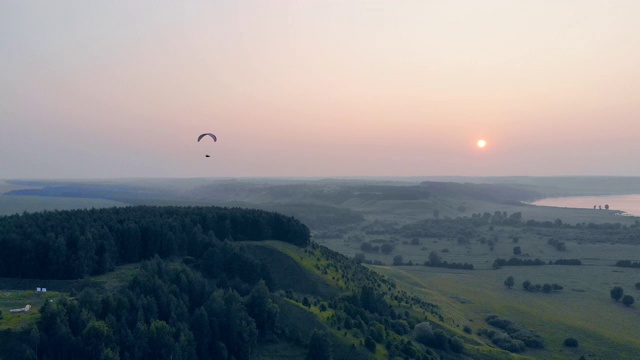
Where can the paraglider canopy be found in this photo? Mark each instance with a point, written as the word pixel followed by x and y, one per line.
pixel 207 134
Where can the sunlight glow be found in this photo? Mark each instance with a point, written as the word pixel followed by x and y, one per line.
pixel 482 143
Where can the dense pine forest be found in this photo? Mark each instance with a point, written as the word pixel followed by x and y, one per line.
pixel 78 243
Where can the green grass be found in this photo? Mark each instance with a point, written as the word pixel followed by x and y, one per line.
pixel 602 326
pixel 605 329
pixel 16 299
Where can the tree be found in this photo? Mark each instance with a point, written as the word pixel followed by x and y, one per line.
pixel 319 346
pixel 570 342
pixel 517 250
pixel 526 284
pixel 638 285
pixel 509 281
pixel 434 258
pixel 370 344
pixel 628 300
pixel 366 247
pixel 616 293
pixel 397 260
pixel 606 206
pixel 423 333
pixel 262 309
pixel 387 248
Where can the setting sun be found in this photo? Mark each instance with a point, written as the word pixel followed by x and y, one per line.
pixel 482 143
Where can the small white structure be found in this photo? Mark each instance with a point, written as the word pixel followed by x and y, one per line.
pixel 38 289
pixel 44 289
pixel 24 309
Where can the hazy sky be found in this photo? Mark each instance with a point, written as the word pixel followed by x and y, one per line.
pixel 94 89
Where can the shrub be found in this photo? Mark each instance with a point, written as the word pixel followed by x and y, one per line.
pixel 387 248
pixel 628 300
pixel 616 293
pixel 503 341
pixel 440 340
pixel 509 281
pixel 423 333
pixel 529 338
pixel 638 285
pixel 570 342
pixel 467 330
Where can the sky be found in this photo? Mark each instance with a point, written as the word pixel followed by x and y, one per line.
pixel 327 88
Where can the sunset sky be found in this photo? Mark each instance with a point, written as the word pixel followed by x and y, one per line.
pixel 111 89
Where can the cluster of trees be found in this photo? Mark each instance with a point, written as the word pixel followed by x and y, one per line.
pixel 574 262
pixel 628 264
pixel 500 262
pixel 167 311
pixel 512 338
pixel 528 286
pixel 545 288
pixel 436 261
pixel 617 294
pixel 79 243
pixel 424 334
pixel 386 248
pixel 559 245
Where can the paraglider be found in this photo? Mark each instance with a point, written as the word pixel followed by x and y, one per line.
pixel 207 134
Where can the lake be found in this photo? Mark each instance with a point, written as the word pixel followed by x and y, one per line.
pixel 630 204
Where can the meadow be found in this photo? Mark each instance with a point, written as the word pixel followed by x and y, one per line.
pixel 583 309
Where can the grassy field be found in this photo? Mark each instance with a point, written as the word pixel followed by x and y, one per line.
pixel 17 299
pixel 10 204
pixel 584 310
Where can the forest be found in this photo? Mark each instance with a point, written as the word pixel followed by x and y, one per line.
pixel 201 290
pixel 78 243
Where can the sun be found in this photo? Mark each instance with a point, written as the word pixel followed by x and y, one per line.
pixel 482 143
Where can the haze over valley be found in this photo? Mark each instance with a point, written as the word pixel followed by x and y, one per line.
pixel 234 180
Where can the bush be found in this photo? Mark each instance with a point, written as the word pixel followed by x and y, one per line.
pixel 529 338
pixel 616 293
pixel 467 330
pixel 628 300
pixel 638 285
pixel 503 341
pixel 570 342
pixel 387 248
pixel 423 333
pixel 440 340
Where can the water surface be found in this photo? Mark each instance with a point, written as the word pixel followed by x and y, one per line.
pixel 630 204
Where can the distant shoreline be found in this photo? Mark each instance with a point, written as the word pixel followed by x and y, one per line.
pixel 623 205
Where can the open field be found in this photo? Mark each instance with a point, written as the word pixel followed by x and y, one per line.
pixel 17 299
pixel 583 309
pixel 10 204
